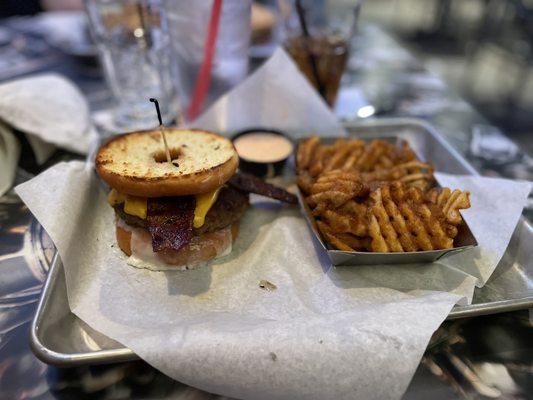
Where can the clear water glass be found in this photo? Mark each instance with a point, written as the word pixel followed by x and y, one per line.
pixel 188 26
pixel 133 44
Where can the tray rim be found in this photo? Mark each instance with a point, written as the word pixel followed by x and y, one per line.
pixel 124 354
pixel 49 356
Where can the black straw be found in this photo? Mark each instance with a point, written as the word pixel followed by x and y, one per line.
pixel 141 16
pixel 303 24
pixel 157 109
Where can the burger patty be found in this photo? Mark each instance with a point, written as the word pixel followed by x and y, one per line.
pixel 229 208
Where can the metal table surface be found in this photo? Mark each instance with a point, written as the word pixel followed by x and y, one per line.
pixel 477 358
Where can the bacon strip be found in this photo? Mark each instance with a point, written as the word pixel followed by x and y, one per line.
pixel 170 219
pixel 253 184
pixel 170 222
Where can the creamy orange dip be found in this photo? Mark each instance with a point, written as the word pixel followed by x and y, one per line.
pixel 263 147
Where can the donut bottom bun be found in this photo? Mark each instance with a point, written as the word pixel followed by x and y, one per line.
pixel 201 249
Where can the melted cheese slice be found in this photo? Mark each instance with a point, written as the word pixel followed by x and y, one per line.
pixel 204 202
pixel 133 205
pixel 115 197
pixel 137 206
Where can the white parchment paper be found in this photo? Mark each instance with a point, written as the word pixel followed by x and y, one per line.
pixel 276 96
pixel 342 333
pixel 497 206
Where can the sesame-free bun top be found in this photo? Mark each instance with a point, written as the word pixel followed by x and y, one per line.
pixel 136 164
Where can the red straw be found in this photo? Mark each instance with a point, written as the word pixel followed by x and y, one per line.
pixel 204 76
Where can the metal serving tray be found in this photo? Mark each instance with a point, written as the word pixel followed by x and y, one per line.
pixel 59 337
pixel 465 239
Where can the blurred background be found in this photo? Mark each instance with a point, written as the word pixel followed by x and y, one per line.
pixel 482 48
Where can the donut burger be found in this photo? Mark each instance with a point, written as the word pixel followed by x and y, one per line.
pixel 178 214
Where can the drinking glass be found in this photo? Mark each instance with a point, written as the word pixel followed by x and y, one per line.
pixel 188 26
pixel 133 44
pixel 321 53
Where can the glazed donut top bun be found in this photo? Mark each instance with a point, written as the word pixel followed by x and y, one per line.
pixel 136 163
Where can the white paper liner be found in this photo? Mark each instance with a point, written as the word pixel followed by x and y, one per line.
pixel 276 96
pixel 497 205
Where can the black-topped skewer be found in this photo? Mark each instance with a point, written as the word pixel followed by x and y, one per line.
pixel 162 129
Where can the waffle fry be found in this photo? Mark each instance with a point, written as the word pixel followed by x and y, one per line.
pixel 377 160
pixel 450 202
pixel 402 220
pixel 335 188
pixel 305 182
pixel 356 243
pixel 377 196
pixel 343 241
pixel 405 172
pixel 306 151
pixel 346 223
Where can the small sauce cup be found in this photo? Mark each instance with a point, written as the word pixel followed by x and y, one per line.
pixel 262 152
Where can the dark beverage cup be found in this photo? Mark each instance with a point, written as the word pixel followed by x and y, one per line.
pixel 329 53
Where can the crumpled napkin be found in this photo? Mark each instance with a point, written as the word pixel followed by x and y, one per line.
pixel 9 155
pixel 51 111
